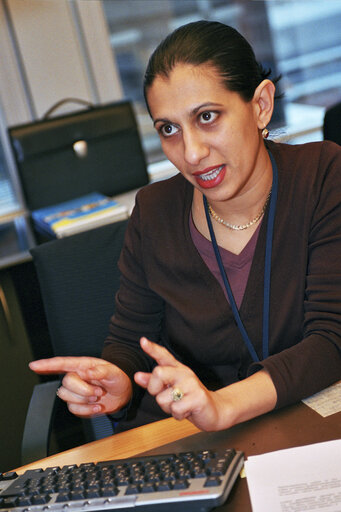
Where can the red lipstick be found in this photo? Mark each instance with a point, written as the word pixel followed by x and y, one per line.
pixel 211 176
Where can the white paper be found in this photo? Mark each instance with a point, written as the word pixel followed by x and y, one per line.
pixel 327 401
pixel 301 479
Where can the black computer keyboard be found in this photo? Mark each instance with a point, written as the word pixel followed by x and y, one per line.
pixel 188 481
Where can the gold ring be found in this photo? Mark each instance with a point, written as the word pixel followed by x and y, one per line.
pixel 177 394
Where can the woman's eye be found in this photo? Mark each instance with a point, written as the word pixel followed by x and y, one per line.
pixel 208 117
pixel 168 129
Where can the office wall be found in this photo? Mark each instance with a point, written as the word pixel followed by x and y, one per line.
pixel 53 50
pixel 12 92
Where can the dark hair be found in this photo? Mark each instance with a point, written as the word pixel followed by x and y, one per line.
pixel 213 43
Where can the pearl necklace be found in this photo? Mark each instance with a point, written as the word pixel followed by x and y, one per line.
pixel 239 227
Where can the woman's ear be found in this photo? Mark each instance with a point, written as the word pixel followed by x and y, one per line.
pixel 263 100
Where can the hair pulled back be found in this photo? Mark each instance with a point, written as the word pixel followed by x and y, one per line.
pixel 208 42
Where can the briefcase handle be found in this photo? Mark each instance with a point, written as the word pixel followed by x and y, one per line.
pixel 66 100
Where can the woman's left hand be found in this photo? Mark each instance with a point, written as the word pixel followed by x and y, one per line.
pixel 199 405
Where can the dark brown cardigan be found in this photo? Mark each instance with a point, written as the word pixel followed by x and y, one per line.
pixel 169 295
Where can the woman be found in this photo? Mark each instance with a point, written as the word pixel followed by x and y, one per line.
pixel 214 349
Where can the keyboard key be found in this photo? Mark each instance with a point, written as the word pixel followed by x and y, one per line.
pixel 49 489
pixel 64 488
pixel 77 495
pixel 206 455
pixel 164 486
pixel 199 471
pixel 220 468
pixel 109 493
pixel 10 475
pixel 133 489
pixel 78 487
pixel 168 476
pixel 9 502
pixel 24 501
pixel 189 456
pixel 212 481
pixel 17 487
pixel 180 484
pixel 147 487
pixel 14 490
pixel 92 493
pixel 40 499
pixel 86 466
pixel 62 496
pixel 122 480
pixel 93 486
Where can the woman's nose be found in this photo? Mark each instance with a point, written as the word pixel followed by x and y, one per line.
pixel 195 148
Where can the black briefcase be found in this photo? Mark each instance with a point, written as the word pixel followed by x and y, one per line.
pixel 97 149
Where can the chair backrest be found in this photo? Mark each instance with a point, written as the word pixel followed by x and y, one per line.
pixel 332 124
pixel 93 150
pixel 78 278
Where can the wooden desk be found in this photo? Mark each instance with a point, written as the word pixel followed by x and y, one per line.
pixel 297 425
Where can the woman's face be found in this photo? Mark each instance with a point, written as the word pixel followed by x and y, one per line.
pixel 209 133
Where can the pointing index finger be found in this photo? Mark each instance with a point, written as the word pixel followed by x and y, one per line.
pixel 161 355
pixel 60 364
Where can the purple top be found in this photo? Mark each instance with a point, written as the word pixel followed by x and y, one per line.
pixel 237 266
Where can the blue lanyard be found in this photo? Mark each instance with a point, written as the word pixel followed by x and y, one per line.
pixel 267 270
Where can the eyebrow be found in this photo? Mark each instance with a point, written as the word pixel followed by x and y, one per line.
pixel 193 112
pixel 204 105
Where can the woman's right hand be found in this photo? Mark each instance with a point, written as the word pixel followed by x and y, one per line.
pixel 90 386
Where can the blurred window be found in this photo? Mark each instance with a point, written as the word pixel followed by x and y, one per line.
pixel 299 39
pixel 9 201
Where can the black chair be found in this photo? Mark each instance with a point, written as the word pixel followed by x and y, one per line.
pixel 78 278
pixel 332 124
